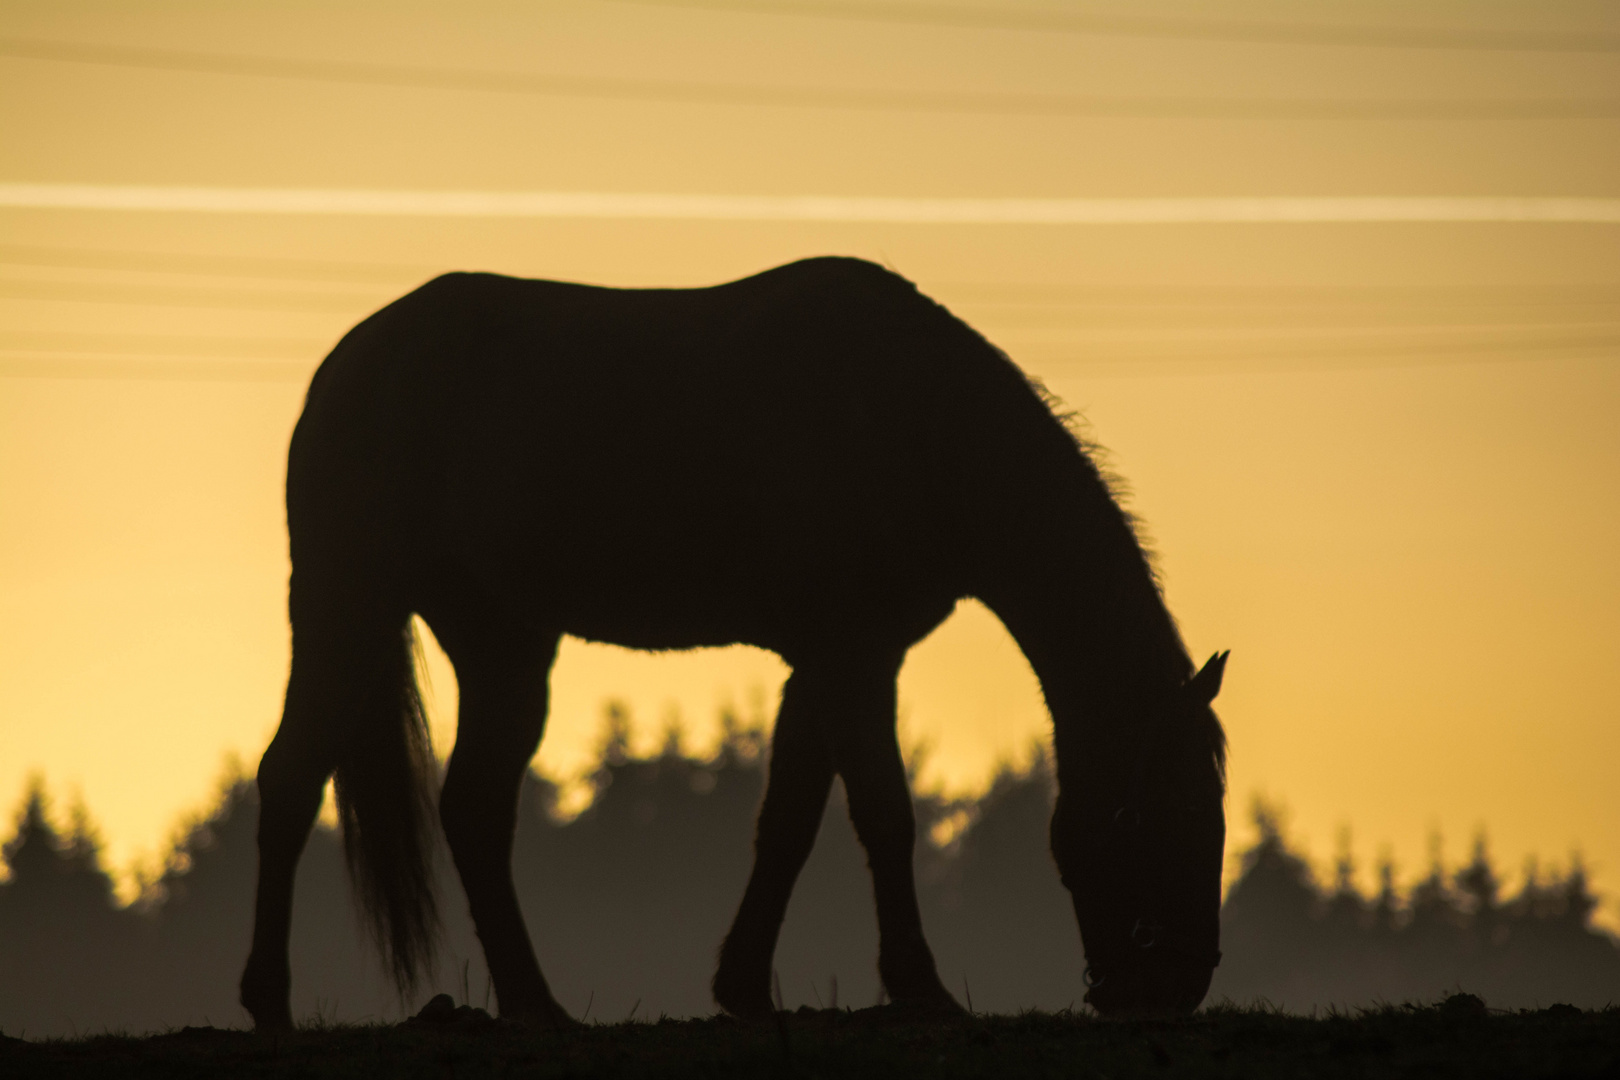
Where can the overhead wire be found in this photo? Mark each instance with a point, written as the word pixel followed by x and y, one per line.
pixel 1229 349
pixel 1319 361
pixel 237 359
pixel 1226 302
pixel 101 343
pixel 1281 297
pixel 174 296
pixel 362 73
pixel 153 369
pixel 170 262
pixel 1192 328
pixel 17 364
pixel 1135 24
pixel 249 266
pixel 712 93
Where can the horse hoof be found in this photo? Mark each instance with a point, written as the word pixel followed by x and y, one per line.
pixel 271 1021
pixel 745 1006
pixel 558 1019
pixel 270 1008
pixel 546 1015
pixel 930 1001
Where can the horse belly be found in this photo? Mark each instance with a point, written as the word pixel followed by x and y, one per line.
pixel 698 565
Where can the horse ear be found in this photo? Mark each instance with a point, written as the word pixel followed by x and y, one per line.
pixel 1207 683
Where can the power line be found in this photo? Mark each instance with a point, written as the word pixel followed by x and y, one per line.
pixel 1225 293
pixel 1010 297
pixel 1267 325
pixel 1153 26
pixel 1160 327
pixel 877 209
pixel 151 369
pixel 1215 337
pixel 247 266
pixel 1296 359
pixel 1003 312
pixel 1244 298
pixel 706 93
pixel 253 347
pixel 1278 357
pixel 968 292
pixel 170 296
pixel 1358 340
pixel 1229 305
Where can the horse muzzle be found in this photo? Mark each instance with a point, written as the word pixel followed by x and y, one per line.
pixel 1147 990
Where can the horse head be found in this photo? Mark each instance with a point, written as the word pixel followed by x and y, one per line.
pixel 1141 849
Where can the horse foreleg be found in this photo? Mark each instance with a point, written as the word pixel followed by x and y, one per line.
pixel 800 779
pixel 868 758
pixel 502 716
pixel 292 776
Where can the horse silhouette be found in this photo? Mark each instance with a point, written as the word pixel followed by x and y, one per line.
pixel 817 460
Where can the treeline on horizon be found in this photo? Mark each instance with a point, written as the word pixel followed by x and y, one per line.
pixel 628 901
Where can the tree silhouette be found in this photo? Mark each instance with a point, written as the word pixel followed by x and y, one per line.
pixel 629 900
pixel 62 935
pixel 1291 943
pixel 1007 929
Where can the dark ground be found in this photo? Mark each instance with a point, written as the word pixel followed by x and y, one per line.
pixel 1458 1037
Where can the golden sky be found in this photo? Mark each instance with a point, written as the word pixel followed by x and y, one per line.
pixel 1379 461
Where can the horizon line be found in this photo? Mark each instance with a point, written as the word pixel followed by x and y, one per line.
pixel 1149 210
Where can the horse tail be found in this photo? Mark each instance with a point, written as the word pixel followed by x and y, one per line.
pixel 384 779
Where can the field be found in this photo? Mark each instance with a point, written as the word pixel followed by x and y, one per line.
pixel 1458 1037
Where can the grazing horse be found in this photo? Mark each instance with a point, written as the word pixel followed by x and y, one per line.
pixel 817 460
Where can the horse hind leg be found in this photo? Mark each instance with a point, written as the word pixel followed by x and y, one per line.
pixel 801 773
pixel 867 753
pixel 502 717
pixel 292 776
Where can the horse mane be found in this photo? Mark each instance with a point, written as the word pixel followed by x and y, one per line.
pixel 1118 488
pixel 1096 456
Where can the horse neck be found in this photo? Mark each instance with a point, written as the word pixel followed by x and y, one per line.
pixel 1077 593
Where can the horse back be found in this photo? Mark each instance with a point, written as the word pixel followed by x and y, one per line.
pixel 772 450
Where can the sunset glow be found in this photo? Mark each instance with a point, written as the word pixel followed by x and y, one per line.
pixel 1360 374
